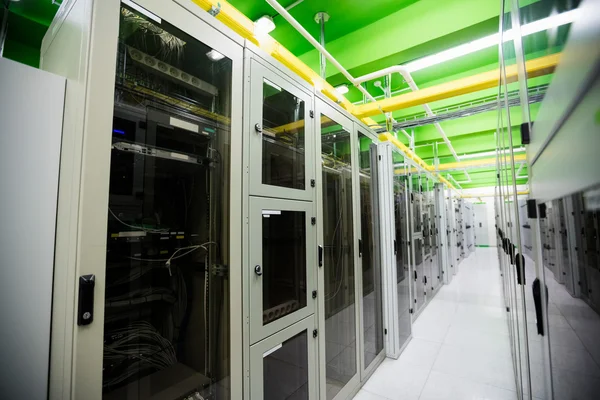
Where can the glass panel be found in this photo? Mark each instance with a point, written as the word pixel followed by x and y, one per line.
pixel 284 263
pixel 574 321
pixel 402 258
pixel 338 263
pixel 283 159
pixel 166 327
pixel 285 370
pixel 371 273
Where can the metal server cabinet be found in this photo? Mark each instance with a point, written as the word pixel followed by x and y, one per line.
pixel 149 202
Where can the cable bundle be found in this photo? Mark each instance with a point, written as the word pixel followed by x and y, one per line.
pixel 140 342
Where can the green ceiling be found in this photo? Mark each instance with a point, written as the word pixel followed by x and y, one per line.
pixel 366 36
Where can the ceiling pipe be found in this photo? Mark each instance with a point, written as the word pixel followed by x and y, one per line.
pixel 405 73
pixel 288 17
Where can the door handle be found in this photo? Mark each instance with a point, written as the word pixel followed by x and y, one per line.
pixel 320 251
pixel 258 128
pixel 537 299
pixel 520 265
pixel 258 270
pixel 85 306
pixel 415 275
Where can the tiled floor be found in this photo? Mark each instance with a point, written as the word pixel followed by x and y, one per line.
pixel 460 347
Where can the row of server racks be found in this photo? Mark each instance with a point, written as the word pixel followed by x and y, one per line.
pixel 223 230
pixel 548 236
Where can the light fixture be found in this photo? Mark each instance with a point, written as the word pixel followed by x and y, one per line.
pixel 214 55
pixel 490 153
pixel 492 40
pixel 342 89
pixel 264 25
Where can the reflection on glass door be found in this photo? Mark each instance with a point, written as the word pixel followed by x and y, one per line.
pixel 371 272
pixel 283 366
pixel 285 370
pixel 282 264
pixel 166 325
pixel 283 146
pixel 280 140
pixel 338 256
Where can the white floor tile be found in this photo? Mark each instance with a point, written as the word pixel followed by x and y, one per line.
pixel 460 346
pixel 421 353
pixel 477 365
pixel 364 395
pixel 397 380
pixel 441 386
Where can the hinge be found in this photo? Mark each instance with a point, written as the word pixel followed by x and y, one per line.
pixel 385 331
pixel 411 311
pixel 314 294
pixel 415 301
pixel 313 221
pixel 312 114
pixel 379 158
pixel 507 309
pixel 312 183
pixel 315 333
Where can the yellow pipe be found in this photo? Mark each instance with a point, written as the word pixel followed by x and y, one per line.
pixel 245 27
pixel 388 137
pixel 536 67
pixel 231 17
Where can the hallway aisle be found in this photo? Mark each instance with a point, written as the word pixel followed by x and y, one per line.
pixel 460 347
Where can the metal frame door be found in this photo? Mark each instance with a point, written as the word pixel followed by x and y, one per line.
pixel 260 208
pixel 260 74
pixel 272 344
pixel 366 370
pixel 77 351
pixel 322 108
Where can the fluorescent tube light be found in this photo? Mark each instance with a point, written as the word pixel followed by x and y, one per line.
pixel 342 89
pixel 492 40
pixel 490 153
pixel 215 55
pixel 264 25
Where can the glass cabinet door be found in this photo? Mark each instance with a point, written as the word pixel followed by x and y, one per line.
pixel 166 311
pixel 402 259
pixel 371 271
pixel 282 264
pixel 284 366
pixel 281 139
pixel 337 271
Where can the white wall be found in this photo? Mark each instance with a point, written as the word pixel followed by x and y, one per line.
pixel 484 213
pixel 31 110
